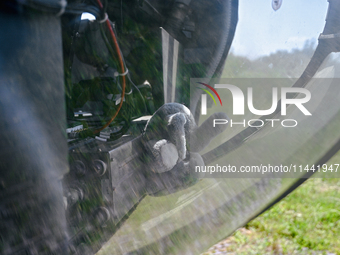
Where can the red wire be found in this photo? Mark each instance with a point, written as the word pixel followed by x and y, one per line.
pixel 121 63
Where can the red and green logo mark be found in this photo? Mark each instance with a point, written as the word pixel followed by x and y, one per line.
pixel 204 97
pixel 213 90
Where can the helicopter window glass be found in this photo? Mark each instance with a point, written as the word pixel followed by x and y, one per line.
pixel 261 31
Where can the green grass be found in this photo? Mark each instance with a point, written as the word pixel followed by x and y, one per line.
pixel 307 221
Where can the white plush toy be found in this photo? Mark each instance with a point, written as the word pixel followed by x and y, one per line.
pixel 172 141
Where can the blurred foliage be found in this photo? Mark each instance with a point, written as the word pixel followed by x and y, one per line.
pixel 305 222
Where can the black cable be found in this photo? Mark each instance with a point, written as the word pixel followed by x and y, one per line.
pixel 139 92
pixel 129 77
pixel 105 4
pixel 106 41
pixel 103 10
